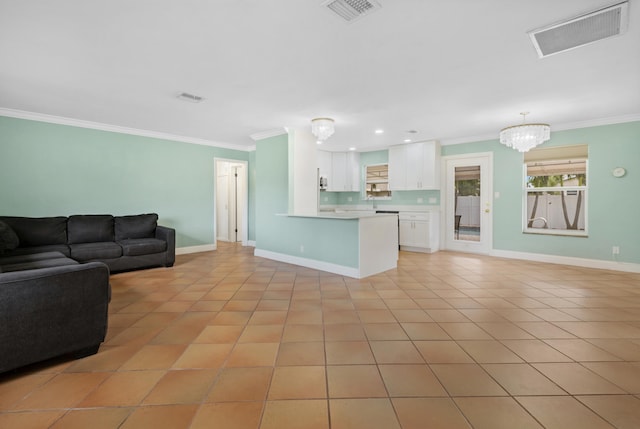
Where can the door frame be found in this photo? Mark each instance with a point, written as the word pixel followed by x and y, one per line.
pixel 243 202
pixel 485 160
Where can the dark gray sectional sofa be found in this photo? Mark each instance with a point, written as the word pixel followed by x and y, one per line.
pixel 54 279
pixel 121 242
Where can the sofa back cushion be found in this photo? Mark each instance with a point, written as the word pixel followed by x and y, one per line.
pixel 38 231
pixel 90 228
pixel 8 238
pixel 138 226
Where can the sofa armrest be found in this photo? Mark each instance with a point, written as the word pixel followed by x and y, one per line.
pixel 53 311
pixel 169 235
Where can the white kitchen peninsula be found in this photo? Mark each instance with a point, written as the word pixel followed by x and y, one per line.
pixel 353 245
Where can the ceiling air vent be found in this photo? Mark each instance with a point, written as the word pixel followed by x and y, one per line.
pixel 352 10
pixel 579 31
pixel 190 97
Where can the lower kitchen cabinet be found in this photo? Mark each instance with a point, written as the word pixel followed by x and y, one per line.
pixel 419 231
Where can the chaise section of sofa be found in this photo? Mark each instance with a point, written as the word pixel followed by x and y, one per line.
pixel 50 312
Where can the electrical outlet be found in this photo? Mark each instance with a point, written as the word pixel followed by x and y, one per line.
pixel 432 200
pixel 615 250
pixel 420 200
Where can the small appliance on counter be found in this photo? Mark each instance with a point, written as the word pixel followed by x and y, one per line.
pixel 323 183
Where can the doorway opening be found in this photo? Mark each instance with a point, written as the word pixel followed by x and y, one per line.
pixel 230 200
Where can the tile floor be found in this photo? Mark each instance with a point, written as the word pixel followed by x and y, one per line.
pixel 227 340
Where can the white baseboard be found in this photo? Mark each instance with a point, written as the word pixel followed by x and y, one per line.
pixel 251 243
pixel 309 263
pixel 195 249
pixel 568 260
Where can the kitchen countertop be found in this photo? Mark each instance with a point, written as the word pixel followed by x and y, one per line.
pixel 341 215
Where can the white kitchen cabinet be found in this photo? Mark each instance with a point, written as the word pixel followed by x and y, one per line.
pixel 414 166
pixel 343 170
pixel 419 231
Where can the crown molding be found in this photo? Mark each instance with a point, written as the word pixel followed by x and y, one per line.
pixel 60 120
pixel 554 127
pixel 269 133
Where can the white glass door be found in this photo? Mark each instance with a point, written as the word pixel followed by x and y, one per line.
pixel 468 208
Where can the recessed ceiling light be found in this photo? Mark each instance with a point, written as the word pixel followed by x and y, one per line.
pixel 407 140
pixel 190 97
pixel 412 131
pixel 379 131
pixel 352 148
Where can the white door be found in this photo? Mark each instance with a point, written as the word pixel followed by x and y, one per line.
pixel 231 200
pixel 468 203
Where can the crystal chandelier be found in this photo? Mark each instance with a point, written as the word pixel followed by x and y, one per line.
pixel 525 136
pixel 322 128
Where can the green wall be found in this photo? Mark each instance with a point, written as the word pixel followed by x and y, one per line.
pixel 327 240
pixel 613 204
pixel 402 198
pixel 48 169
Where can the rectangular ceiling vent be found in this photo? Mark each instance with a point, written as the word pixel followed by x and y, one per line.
pixel 352 10
pixel 580 31
pixel 190 97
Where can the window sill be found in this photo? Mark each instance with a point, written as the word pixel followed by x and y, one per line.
pixel 560 232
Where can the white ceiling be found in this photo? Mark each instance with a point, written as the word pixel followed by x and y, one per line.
pixel 453 70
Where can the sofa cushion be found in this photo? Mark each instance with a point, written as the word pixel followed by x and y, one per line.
pixel 92 251
pixel 62 248
pixel 42 231
pixel 8 238
pixel 142 246
pixel 33 265
pixel 89 228
pixel 18 259
pixel 137 226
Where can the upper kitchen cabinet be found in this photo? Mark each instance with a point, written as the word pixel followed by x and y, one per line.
pixel 414 166
pixel 343 173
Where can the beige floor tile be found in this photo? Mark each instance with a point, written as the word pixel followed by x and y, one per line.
pixel 442 352
pixel 231 318
pixel 522 380
pixel 621 411
pixel 623 348
pixel 228 415
pixel 261 334
pixel 467 380
pixel 181 387
pixel 622 374
pixel 496 413
pixel 62 391
pixel 123 389
pixel 562 412
pixel 544 330
pixel 96 418
pixel 307 353
pixel 431 413
pixel 395 352
pixel 219 334
pixel 253 354
pixel 347 332
pixel 425 331
pixel 154 357
pixel 348 353
pixel 300 333
pixel 339 317
pixel 385 331
pixel 576 379
pixel 411 380
pixel 447 315
pixel 295 414
pixel 505 331
pixel 465 331
pixel 488 351
pixel 241 384
pixel 168 416
pixel 304 317
pixel 362 414
pixel 355 381
pixel 376 316
pixel 270 317
pixel 203 356
pixel 581 350
pixel 31 420
pixel 535 351
pixel 298 382
pixel 14 388
pixel 411 316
